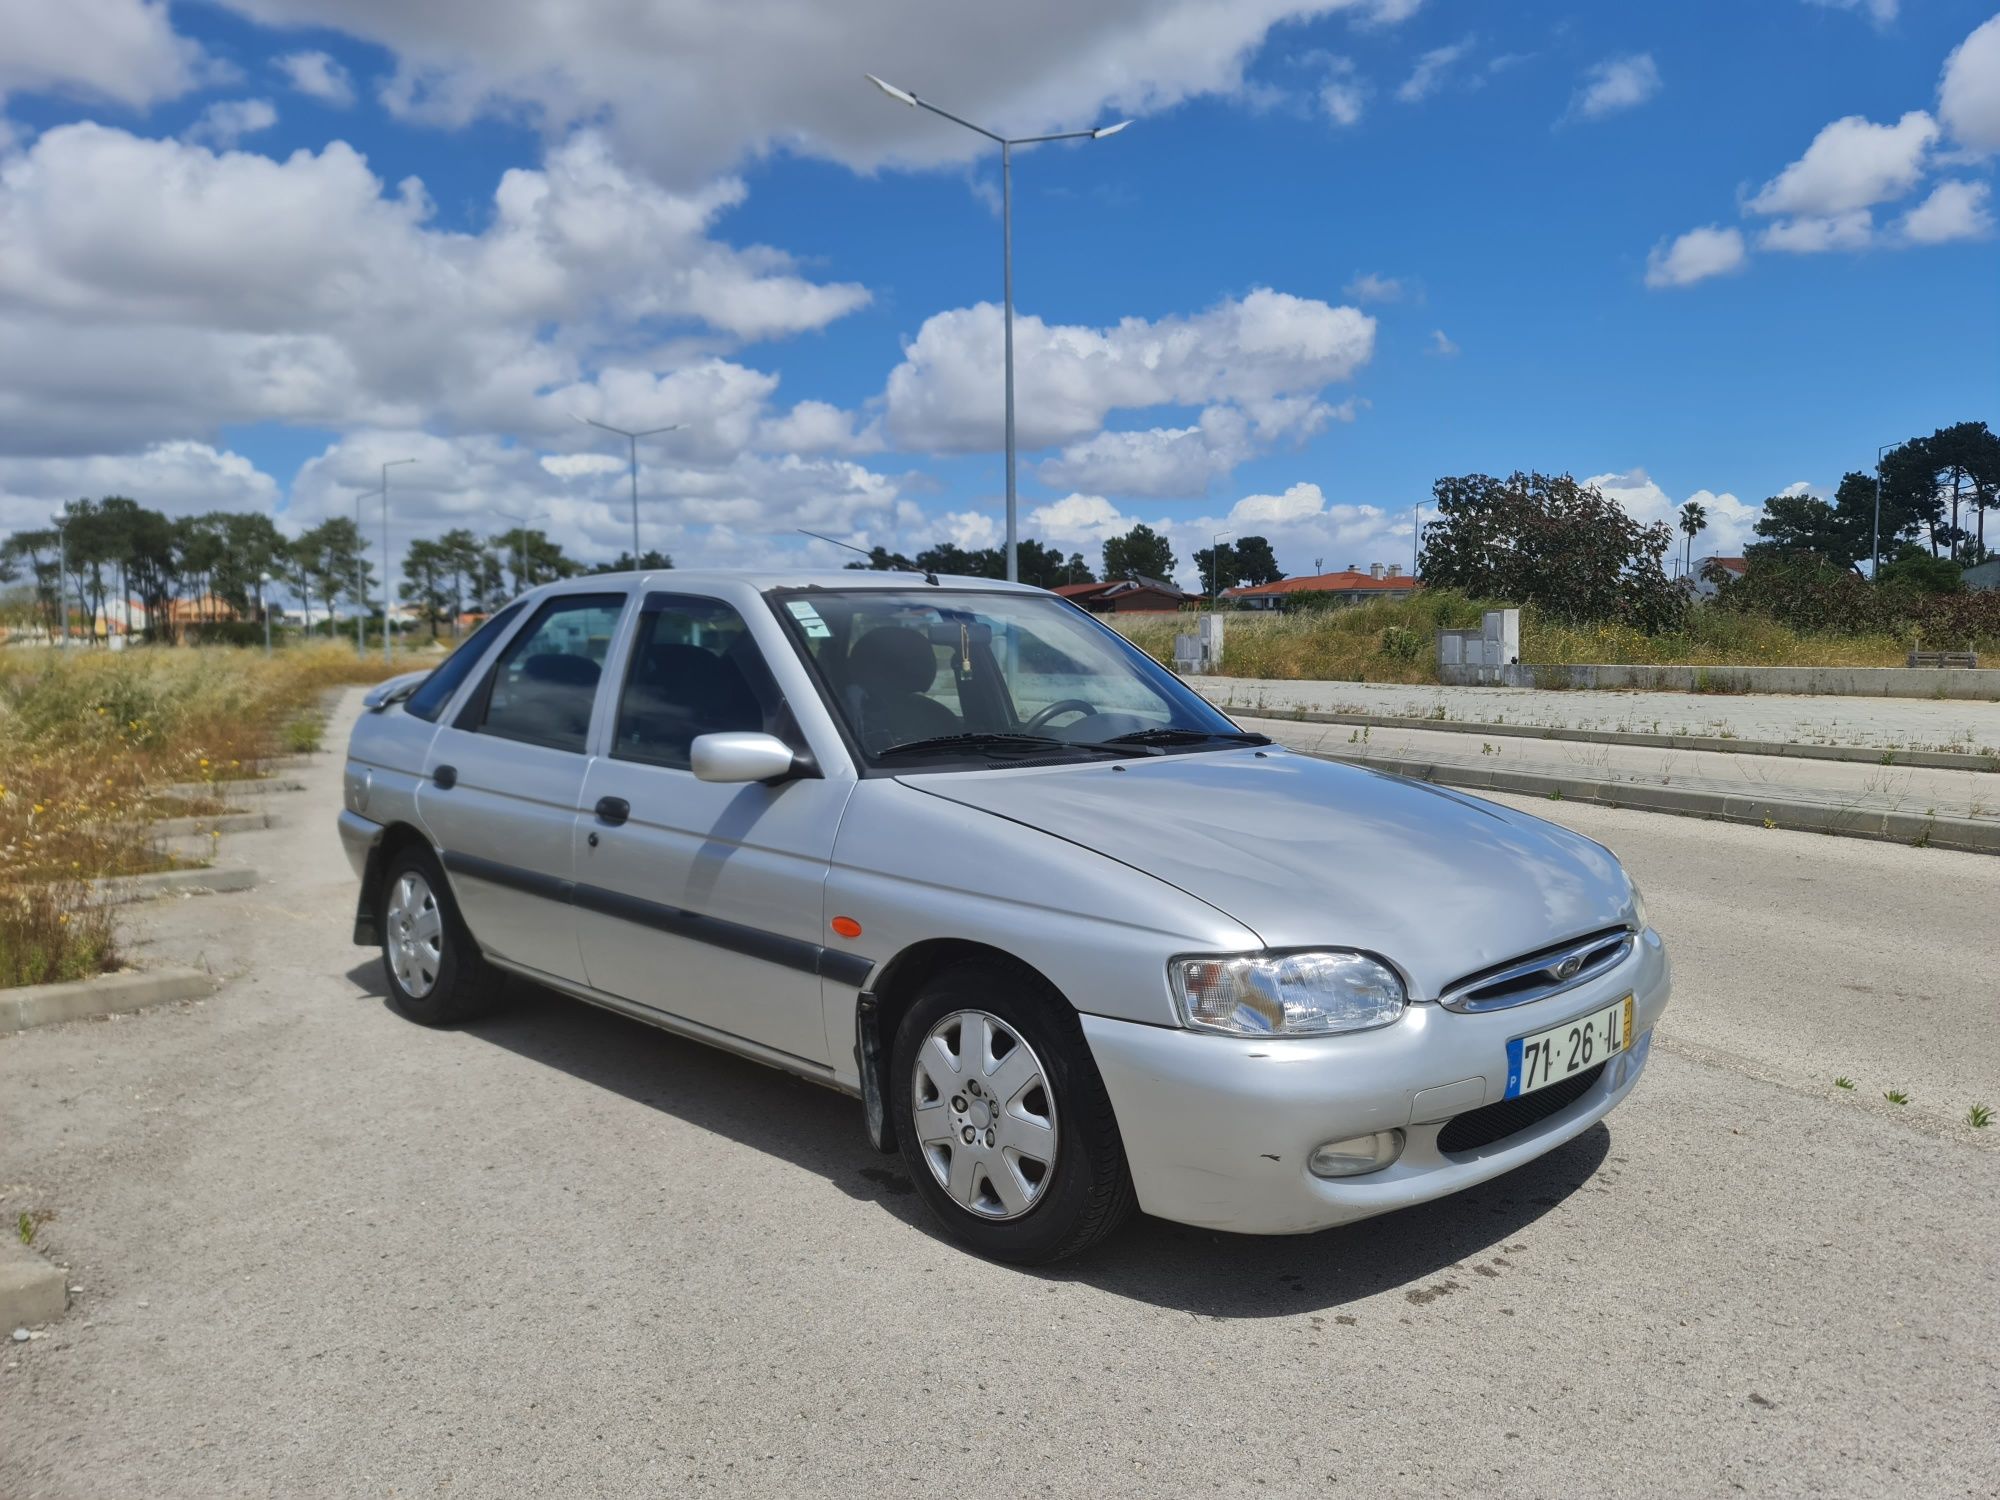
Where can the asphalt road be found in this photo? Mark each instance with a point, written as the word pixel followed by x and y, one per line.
pixel 325 1252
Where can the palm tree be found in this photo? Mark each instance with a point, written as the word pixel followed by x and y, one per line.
pixel 1694 516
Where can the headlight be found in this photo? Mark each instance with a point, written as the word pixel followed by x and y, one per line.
pixel 1639 922
pixel 1286 994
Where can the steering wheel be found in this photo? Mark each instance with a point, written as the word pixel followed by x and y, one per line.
pixel 1040 721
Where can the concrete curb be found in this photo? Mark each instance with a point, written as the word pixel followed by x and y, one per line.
pixel 108 994
pixel 121 890
pixel 31 1290
pixel 1971 835
pixel 262 786
pixel 1934 760
pixel 235 822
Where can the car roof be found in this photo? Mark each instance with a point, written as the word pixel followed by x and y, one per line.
pixel 762 579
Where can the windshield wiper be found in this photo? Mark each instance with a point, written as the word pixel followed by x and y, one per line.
pixel 996 740
pixel 1166 735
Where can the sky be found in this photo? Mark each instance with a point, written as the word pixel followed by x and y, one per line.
pixel 252 249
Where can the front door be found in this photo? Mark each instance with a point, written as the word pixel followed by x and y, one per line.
pixel 703 900
pixel 505 779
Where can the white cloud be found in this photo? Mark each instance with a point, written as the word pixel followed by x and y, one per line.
pixel 1731 522
pixel 1969 90
pixel 179 478
pixel 1369 287
pixel 970 529
pixel 1157 462
pixel 581 465
pixel 1854 230
pixel 1695 256
pixel 1429 74
pixel 1852 163
pixel 1881 12
pixel 150 289
pixel 319 76
pixel 1268 354
pixel 691 87
pixel 122 50
pixel 1441 345
pixel 1955 210
pixel 1344 95
pixel 819 427
pixel 1388 12
pixel 1617 83
pixel 227 121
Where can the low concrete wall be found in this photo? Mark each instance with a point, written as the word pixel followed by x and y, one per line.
pixel 1980 683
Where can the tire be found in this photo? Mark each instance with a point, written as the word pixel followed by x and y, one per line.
pixel 1009 1190
pixel 436 976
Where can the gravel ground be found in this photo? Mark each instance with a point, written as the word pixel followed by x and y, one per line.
pixel 325 1252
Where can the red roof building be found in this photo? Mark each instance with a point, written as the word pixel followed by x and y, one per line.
pixel 1125 596
pixel 1350 586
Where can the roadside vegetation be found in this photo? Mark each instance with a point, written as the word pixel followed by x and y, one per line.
pixel 95 744
pixel 1394 641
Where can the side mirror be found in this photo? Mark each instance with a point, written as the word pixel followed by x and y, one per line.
pixel 740 755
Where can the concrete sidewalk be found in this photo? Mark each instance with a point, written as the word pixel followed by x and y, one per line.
pixel 1882 723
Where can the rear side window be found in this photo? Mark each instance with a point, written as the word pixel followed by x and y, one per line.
pixel 694 671
pixel 428 701
pixel 542 688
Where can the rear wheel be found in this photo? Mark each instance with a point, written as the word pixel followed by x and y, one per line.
pixel 1002 1118
pixel 436 976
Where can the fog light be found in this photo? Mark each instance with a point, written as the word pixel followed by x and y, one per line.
pixel 1356 1155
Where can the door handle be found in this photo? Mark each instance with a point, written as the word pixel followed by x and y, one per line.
pixel 445 777
pixel 613 810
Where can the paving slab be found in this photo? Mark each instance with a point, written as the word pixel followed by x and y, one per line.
pixel 1881 723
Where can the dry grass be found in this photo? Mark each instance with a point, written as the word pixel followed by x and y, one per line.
pixel 90 742
pixel 1394 642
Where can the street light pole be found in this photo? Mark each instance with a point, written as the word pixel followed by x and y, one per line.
pixel 385 551
pixel 524 561
pixel 263 608
pixel 632 439
pixel 1007 145
pixel 1875 548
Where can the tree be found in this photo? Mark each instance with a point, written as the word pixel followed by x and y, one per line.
pixel 1693 516
pixel 1256 563
pixel 1934 485
pixel 1806 526
pixel 427 572
pixel 1218 567
pixel 1142 552
pixel 1916 570
pixel 333 562
pixel 1547 540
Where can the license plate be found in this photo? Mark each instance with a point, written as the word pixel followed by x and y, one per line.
pixel 1541 1058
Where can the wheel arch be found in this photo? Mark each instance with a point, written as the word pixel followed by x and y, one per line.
pixel 396 837
pixel 892 990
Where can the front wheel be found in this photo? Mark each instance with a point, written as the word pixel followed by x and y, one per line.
pixel 436 976
pixel 1003 1121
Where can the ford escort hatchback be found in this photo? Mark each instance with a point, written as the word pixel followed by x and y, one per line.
pixel 1076 941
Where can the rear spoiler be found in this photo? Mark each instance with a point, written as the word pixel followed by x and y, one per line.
pixel 395 690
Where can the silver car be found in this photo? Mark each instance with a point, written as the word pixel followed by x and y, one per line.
pixel 1077 942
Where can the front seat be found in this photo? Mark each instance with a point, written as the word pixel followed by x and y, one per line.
pixel 888 672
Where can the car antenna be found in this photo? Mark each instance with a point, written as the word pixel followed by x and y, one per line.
pixel 930 574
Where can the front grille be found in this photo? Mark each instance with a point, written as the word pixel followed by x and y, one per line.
pixel 1536 976
pixel 1495 1122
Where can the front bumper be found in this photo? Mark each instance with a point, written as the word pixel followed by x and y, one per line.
pixel 1217 1129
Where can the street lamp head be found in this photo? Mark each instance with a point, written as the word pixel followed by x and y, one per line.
pixel 901 96
pixel 1103 130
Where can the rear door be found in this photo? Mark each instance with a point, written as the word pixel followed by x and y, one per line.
pixel 703 900
pixel 505 779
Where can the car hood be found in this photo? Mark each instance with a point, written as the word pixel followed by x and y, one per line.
pixel 1307 852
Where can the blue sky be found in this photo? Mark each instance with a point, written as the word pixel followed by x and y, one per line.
pixel 249 250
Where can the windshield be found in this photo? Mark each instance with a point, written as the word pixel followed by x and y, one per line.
pixel 961 679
